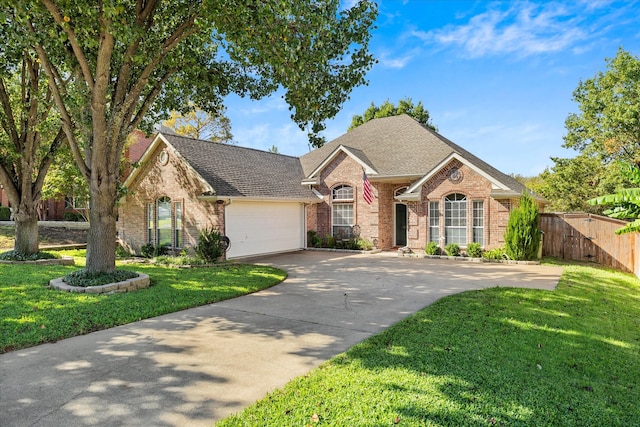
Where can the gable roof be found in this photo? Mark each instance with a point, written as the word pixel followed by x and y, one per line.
pixel 239 172
pixel 400 146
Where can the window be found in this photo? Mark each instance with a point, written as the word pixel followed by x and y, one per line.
pixel 342 192
pixel 455 219
pixel 163 222
pixel 150 226
pixel 478 222
pixel 342 211
pixel 434 222
pixel 178 225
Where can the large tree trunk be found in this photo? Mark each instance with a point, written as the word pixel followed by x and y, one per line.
pixel 26 231
pixel 101 239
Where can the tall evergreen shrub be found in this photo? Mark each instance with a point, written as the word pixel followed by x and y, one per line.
pixel 522 237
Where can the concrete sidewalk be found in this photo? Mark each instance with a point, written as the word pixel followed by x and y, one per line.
pixel 196 366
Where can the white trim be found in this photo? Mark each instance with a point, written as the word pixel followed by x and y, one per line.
pixel 341 148
pixel 418 184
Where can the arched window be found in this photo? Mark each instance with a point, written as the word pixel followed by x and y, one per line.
pixel 342 219
pixel 455 219
pixel 164 220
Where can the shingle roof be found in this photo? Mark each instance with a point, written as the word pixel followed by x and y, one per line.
pixel 399 145
pixel 235 171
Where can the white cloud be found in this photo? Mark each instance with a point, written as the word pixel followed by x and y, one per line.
pixel 398 62
pixel 523 29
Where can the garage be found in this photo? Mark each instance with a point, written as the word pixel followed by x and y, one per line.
pixel 260 227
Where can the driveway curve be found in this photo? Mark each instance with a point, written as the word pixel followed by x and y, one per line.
pixel 200 365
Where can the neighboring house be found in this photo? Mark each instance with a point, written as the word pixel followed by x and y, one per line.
pixel 425 187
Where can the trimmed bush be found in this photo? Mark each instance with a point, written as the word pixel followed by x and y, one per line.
pixel 452 249
pixel 432 248
pixel 474 250
pixel 150 251
pixel 522 237
pixel 211 245
pixel 5 213
pixel 364 244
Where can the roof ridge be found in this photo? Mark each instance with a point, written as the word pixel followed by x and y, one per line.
pixel 224 144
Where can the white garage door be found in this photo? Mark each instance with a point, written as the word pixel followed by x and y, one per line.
pixel 256 228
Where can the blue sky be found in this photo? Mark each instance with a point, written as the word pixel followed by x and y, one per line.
pixel 496 77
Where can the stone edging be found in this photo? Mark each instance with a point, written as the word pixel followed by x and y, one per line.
pixel 65 260
pixel 350 251
pixel 140 282
pixel 469 259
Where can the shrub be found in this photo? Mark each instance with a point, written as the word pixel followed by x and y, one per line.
pixel 474 250
pixel 432 248
pixel 329 241
pixel 497 253
pixel 522 237
pixel 313 240
pixel 211 245
pixel 5 213
pixel 452 249
pixel 122 252
pixel 72 216
pixel 150 251
pixel 18 256
pixel 364 244
pixel 83 278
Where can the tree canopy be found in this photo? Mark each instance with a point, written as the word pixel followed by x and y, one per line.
pixel 30 135
pixel 387 109
pixel 201 124
pixel 608 124
pixel 133 61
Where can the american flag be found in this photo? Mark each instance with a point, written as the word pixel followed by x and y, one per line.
pixel 367 190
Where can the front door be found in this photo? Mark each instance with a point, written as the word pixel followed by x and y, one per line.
pixel 401 224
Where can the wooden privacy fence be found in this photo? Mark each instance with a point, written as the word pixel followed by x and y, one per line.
pixel 588 237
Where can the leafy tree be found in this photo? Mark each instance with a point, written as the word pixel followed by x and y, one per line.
pixel 522 236
pixel 135 60
pixel 30 137
pixel 387 109
pixel 200 124
pixel 625 201
pixel 571 182
pixel 608 124
pixel 274 149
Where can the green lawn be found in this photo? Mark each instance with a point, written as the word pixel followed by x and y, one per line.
pixel 496 357
pixel 31 314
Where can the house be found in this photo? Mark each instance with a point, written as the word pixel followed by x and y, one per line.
pixel 184 185
pixel 425 187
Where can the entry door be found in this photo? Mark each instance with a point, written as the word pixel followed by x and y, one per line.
pixel 401 224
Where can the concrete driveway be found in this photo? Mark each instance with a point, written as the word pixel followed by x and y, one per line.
pixel 200 365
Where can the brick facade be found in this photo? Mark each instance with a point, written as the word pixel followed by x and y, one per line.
pixel 175 180
pixel 377 221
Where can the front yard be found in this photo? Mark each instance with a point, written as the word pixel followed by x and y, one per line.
pixel 496 357
pixel 32 314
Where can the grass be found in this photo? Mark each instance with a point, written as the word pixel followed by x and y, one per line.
pixel 501 356
pixel 32 314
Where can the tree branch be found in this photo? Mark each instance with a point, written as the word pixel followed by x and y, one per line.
pixel 47 161
pixel 73 41
pixel 67 122
pixel 8 122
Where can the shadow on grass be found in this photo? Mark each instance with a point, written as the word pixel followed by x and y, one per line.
pixel 514 357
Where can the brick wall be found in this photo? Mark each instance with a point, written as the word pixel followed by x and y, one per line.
pixel 176 181
pixel 377 221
